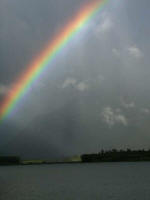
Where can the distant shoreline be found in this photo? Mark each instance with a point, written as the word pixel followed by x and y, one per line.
pixel 113 155
pixel 61 163
pixel 53 163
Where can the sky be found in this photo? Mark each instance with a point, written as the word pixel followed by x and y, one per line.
pixel 95 95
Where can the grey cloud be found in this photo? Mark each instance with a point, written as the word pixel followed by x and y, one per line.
pixel 116 52
pixel 4 89
pixel 105 64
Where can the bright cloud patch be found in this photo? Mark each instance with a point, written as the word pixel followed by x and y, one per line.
pixel 134 52
pixel 145 110
pixel 128 104
pixel 68 82
pixel 105 26
pixel 82 86
pixel 112 117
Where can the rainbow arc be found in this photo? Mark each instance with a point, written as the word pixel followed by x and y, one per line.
pixel 43 60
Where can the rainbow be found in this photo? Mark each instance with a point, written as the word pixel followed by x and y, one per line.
pixel 56 45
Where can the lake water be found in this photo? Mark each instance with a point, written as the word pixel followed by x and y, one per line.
pixel 101 181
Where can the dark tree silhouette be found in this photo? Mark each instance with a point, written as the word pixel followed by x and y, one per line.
pixel 117 155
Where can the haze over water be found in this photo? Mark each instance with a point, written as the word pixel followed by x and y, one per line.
pixel 106 181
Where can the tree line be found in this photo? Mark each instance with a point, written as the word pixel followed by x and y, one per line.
pixel 117 155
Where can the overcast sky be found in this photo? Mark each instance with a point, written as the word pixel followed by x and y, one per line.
pixel 95 95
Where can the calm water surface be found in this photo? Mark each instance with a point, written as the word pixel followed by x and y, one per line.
pixel 106 181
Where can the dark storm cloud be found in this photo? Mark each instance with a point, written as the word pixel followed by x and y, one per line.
pixel 26 27
pixel 96 95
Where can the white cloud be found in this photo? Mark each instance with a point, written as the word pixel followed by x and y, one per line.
pixel 135 52
pixel 82 86
pixel 105 26
pixel 68 82
pixel 4 89
pixel 121 119
pixel 108 116
pixel 145 110
pixel 128 105
pixel 132 52
pixel 112 117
